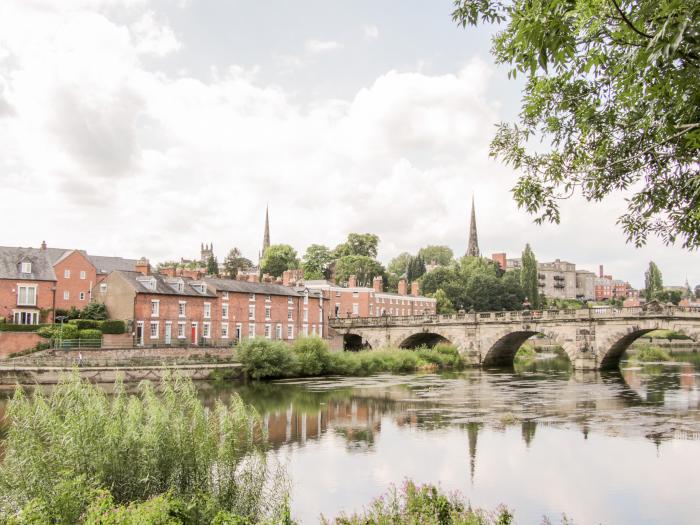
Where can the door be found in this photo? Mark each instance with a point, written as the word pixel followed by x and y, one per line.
pixel 168 332
pixel 139 333
pixel 194 333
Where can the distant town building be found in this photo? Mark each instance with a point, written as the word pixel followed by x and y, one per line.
pixel 206 253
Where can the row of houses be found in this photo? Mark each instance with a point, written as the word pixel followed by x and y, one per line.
pixel 176 308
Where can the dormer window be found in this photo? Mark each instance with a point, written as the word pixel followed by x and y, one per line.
pixel 148 282
pixel 200 287
pixel 176 284
pixel 26 267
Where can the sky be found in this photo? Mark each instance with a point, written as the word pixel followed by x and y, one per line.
pixel 146 127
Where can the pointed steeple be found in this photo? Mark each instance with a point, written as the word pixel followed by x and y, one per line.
pixel 473 248
pixel 266 235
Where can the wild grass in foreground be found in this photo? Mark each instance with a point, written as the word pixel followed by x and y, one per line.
pixel 424 505
pixel 263 359
pixel 77 451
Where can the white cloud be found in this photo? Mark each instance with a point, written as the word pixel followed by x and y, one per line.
pixel 117 157
pixel 371 32
pixel 321 46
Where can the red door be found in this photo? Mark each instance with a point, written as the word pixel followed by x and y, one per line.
pixel 193 337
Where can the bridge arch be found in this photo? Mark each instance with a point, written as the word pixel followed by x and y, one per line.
pixel 428 339
pixel 507 343
pixel 355 342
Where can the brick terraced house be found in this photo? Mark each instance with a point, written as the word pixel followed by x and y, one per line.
pixel 27 285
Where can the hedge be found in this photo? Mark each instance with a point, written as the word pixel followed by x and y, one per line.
pixel 84 324
pixel 5 327
pixel 90 333
pixel 113 327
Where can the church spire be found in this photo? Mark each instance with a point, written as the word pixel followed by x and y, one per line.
pixel 473 248
pixel 266 235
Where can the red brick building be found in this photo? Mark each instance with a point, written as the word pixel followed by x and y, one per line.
pixel 360 301
pixel 27 286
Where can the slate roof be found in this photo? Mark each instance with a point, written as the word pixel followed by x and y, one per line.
pixel 233 285
pixel 162 287
pixel 104 265
pixel 11 257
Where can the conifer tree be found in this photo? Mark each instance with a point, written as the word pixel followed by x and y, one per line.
pixel 528 277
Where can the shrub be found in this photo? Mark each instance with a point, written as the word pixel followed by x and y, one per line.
pixel 21 327
pixel 267 359
pixel 65 449
pixel 424 504
pixel 313 356
pixel 89 333
pixel 113 327
pixel 648 353
pixel 97 311
pixel 84 324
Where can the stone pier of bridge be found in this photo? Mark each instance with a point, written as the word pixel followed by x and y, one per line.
pixel 593 338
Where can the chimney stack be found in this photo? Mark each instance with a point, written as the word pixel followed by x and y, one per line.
pixel 403 287
pixel 600 270
pixel 378 284
pixel 43 245
pixel 415 288
pixel 168 271
pixel 143 266
pixel 253 278
pixel 352 281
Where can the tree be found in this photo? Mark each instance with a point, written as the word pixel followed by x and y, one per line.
pixel 316 262
pixel 444 305
pixel 278 258
pixel 364 244
pixel 363 267
pixel 612 86
pixel 653 282
pixel 212 266
pixel 235 261
pixel 416 268
pixel 528 277
pixel 442 255
pixel 398 266
pixel 94 311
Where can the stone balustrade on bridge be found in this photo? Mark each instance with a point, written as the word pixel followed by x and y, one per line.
pixel 593 338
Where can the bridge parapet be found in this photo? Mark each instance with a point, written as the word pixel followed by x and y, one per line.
pixel 599 313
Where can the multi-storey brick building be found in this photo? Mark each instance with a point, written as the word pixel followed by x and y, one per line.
pixel 361 301
pixel 27 286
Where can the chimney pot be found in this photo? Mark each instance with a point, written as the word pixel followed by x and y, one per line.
pixel 403 287
pixel 415 288
pixel 43 245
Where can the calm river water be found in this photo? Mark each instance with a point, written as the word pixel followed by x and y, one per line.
pixel 602 448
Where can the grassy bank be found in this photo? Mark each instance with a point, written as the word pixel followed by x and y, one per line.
pixel 264 359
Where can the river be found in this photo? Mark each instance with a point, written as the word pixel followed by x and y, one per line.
pixel 602 448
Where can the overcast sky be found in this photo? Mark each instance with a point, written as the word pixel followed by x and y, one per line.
pixel 144 127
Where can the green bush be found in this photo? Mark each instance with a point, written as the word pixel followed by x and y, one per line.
pixel 84 324
pixel 647 353
pixel 263 359
pixel 5 327
pixel 89 333
pixel 425 505
pixel 313 356
pixel 64 450
pixel 113 326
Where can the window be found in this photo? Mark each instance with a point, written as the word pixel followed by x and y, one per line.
pixel 66 295
pixel 224 295
pixel 268 331
pixel 239 331
pixel 181 330
pixel 26 267
pixel 251 297
pixel 356 294
pixel 154 330
pixel 306 330
pixel 313 329
pixel 206 330
pixel 224 311
pixel 22 317
pixel 268 298
pixel 306 315
pixel 103 287
pixel 251 331
pixel 290 300
pixel 224 330
pixel 251 312
pixel 278 331
pixel 306 298
pixel 371 310
pixel 82 296
pixel 83 275
pixel 337 294
pixel 182 309
pixel 290 331
pixel 320 314
pixel 155 308
pixel 355 309
pixel 66 273
pixel 268 313
pixel 207 310
pixel 290 314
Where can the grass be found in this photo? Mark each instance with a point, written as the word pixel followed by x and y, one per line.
pixel 526 352
pixel 263 359
pixel 648 353
pixel 664 334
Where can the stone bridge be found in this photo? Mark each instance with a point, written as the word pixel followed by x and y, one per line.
pixel 593 338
